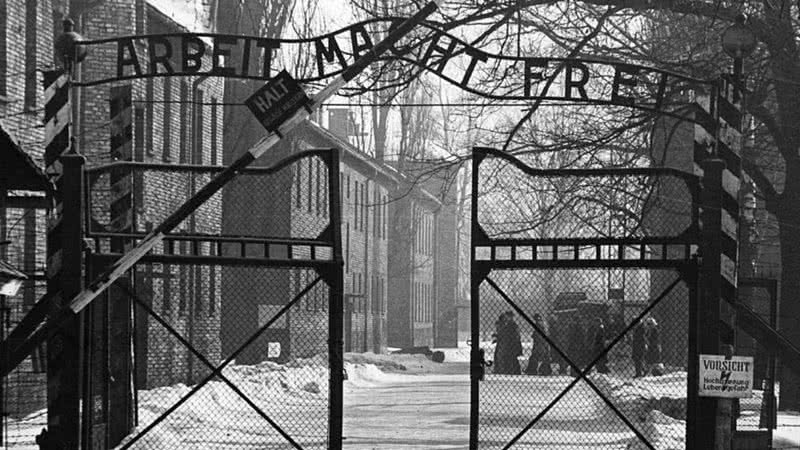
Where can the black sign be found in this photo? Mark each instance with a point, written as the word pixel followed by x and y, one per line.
pixel 525 77
pixel 277 100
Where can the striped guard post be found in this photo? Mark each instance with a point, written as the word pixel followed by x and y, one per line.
pixel 57 121
pixel 718 125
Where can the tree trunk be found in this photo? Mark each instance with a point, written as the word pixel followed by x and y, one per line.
pixel 789 217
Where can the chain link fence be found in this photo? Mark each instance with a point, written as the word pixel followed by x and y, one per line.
pixel 218 368
pixel 231 313
pixel 544 330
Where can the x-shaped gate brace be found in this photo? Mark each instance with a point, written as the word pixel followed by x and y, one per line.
pixel 216 371
pixel 685 263
pixel 582 373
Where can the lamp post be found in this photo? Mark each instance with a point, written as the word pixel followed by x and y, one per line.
pixel 738 41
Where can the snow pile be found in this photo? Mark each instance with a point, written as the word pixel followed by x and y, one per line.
pixel 302 376
pixel 662 432
pixel 656 404
pixel 637 397
pixel 460 354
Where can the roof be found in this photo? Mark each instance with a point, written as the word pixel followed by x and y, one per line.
pixel 351 156
pixel 17 169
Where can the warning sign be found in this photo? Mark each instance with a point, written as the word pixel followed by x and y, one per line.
pixel 721 377
pixel 277 100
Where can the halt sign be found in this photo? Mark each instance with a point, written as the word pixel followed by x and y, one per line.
pixel 277 100
pixel 726 377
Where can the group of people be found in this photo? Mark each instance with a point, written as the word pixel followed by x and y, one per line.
pixel 645 347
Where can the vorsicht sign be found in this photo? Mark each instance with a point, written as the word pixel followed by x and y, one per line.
pixel 277 100
pixel 723 377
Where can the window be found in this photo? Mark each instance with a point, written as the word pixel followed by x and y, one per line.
pixel 183 282
pixel 197 156
pixel 212 288
pixel 166 282
pixel 184 120
pixel 167 139
pixel 310 183
pixel 347 247
pixel 298 186
pixel 363 204
pixel 198 292
pixel 376 224
pixel 214 119
pixel 138 155
pixel 138 133
pixel 318 184
pixel 355 206
pixel 386 214
pixel 148 130
pixel 31 51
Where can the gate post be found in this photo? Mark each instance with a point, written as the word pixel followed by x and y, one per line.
pixel 336 311
pixel 708 433
pixel 65 356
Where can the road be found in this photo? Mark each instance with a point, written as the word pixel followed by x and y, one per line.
pixel 431 411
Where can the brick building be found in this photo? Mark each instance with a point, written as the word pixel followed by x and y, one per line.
pixel 27 31
pixel 176 121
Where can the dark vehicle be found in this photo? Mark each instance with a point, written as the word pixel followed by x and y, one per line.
pixel 572 326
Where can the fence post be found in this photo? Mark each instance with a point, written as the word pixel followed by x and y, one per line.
pixel 710 289
pixel 64 266
pixel 336 310
pixel 65 274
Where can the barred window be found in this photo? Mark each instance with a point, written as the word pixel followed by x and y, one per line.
pixel 167 137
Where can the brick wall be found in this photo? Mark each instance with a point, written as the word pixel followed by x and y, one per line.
pixel 165 110
pixel 26 42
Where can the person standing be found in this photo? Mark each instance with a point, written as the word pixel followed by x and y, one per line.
pixel 500 343
pixel 539 361
pixel 638 349
pixel 514 345
pixel 599 345
pixel 653 342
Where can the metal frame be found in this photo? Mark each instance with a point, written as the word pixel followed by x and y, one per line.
pixel 686 266
pixel 329 270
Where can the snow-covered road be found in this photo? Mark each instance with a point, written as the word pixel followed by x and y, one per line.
pixel 409 402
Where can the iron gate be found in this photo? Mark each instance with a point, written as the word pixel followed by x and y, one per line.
pixel 573 274
pixel 232 327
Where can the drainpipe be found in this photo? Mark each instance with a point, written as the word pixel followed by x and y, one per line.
pixel 366 263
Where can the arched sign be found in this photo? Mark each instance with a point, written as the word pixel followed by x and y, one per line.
pixel 486 75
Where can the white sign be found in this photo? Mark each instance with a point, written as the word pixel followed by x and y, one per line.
pixel 273 349
pixel 721 377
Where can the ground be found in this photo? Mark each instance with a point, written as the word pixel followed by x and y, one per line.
pixel 409 402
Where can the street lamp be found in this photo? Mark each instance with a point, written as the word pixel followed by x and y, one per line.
pixel 738 41
pixel 68 47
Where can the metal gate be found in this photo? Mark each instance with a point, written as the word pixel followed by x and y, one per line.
pixel 233 327
pixel 583 288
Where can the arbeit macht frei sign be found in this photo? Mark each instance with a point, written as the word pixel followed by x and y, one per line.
pixel 498 77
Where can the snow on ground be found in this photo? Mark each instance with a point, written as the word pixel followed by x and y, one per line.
pixel 408 401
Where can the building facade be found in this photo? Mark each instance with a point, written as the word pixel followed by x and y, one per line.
pixel 27 32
